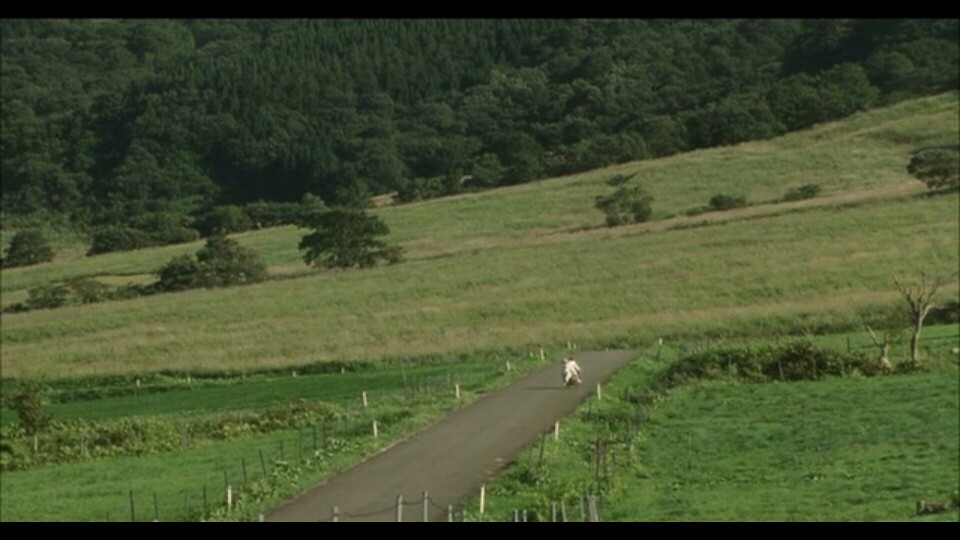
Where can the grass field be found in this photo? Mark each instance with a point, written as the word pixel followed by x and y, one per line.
pixel 515 266
pixel 490 277
pixel 850 449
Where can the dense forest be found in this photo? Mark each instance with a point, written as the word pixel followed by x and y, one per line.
pixel 138 122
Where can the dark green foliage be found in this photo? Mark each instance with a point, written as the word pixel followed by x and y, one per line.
pixel 346 238
pixel 628 204
pixel 938 167
pixel 225 220
pixel 108 120
pixel 27 401
pixel 48 297
pixel 118 238
pixel 807 191
pixel 27 247
pixel 798 360
pixel 727 202
pixel 273 214
pixel 220 263
pixel 165 228
pixel 89 291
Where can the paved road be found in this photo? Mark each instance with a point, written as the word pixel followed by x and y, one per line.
pixel 453 457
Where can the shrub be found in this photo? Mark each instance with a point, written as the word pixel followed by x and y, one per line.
pixel 727 202
pixel 808 191
pixel 27 247
pixel 220 263
pixel 118 238
pixel 224 220
pixel 48 297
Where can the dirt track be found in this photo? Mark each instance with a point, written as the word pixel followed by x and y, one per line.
pixel 453 457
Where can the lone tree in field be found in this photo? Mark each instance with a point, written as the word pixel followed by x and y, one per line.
pixel 346 238
pixel 939 167
pixel 27 401
pixel 920 299
pixel 628 204
pixel 27 247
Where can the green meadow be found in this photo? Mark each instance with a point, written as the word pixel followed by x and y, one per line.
pixel 492 277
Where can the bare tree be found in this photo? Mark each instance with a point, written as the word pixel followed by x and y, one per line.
pixel 884 346
pixel 920 299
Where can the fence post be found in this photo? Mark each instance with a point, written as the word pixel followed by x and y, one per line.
pixel 375 433
pixel 594 516
pixel 483 494
pixel 599 392
pixel 156 508
pixel 524 515
pixel 336 514
pixel 400 508
pixel 449 513
pixel 363 395
pixel 133 512
pixel 553 512
pixel 563 511
pixel 456 389
pixel 261 518
pixel 556 430
pixel 426 501
pixel 229 498
pixel 543 443
pixel 263 462
pixel 516 515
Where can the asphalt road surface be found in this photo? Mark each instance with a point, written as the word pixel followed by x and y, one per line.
pixel 453 457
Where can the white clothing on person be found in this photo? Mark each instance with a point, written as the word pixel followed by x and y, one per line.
pixel 571 371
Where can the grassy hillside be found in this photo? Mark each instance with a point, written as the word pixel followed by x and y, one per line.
pixel 532 264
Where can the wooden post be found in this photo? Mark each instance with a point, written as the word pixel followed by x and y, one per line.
pixel 483 494
pixel 599 392
pixel 553 512
pixel 563 511
pixel 263 463
pixel 375 433
pixel 543 443
pixel 516 515
pixel 449 513
pixel 543 356
pixel 336 514
pixel 456 389
pixel 556 430
pixel 426 501
pixel 364 396
pixel 261 518
pixel 594 516
pixel 524 515
pixel 659 347
pixel 399 508
pixel 509 367
pixel 229 498
pixel 133 512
